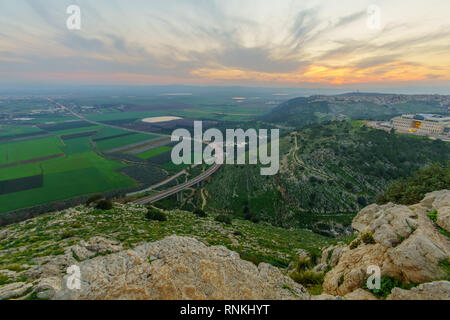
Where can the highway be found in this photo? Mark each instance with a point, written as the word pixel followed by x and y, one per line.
pixel 174 190
pixel 104 124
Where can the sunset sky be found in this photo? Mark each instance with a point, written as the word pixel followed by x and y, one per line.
pixel 294 43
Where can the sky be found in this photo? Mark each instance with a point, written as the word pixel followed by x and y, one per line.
pixel 282 43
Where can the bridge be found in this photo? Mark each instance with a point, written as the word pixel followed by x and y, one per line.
pixel 179 188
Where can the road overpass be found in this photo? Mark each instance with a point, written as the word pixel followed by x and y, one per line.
pixel 174 190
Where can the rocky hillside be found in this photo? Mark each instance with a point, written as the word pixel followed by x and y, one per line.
pixel 36 253
pixel 119 260
pixel 410 245
pixel 338 167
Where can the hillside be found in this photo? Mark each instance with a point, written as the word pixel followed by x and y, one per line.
pixel 300 112
pixel 326 169
pixel 122 254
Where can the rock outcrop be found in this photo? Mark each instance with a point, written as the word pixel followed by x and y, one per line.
pixel 402 241
pixel 179 268
pixel 438 290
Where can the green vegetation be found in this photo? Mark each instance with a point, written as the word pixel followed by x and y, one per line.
pixel 104 205
pixel 155 214
pixel 387 284
pixel 412 190
pixel 224 219
pixel 367 238
pixel 328 172
pixel 81 171
pixel 154 152
pixel 200 213
pixel 433 215
pixel 94 198
pixel 122 141
pixel 18 151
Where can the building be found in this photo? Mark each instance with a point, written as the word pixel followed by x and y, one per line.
pixel 422 124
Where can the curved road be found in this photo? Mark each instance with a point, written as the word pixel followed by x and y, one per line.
pixel 167 193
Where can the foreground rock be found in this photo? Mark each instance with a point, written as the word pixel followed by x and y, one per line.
pixel 402 241
pixel 439 290
pixel 179 268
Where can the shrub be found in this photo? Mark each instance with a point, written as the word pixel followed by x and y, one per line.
pixel 367 238
pixel 224 219
pixel 355 243
pixel 341 280
pixel 386 286
pixel 3 279
pixel 303 264
pixel 156 215
pixel 413 190
pixel 94 198
pixel 307 278
pixel 104 205
pixel 200 213
pixel 433 215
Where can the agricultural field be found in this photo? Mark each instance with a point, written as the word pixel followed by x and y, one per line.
pixel 13 152
pixel 153 152
pixel 77 170
pixel 118 142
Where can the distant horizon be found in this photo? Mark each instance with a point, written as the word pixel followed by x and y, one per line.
pixel 165 89
pixel 349 45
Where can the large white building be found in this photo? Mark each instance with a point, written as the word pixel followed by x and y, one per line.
pixel 423 124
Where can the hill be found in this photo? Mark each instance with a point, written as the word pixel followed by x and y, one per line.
pixel 300 112
pixel 326 171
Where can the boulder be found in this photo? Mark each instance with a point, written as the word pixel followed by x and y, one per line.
pixel 14 290
pixel 438 290
pixel 407 246
pixel 179 268
pixel 360 294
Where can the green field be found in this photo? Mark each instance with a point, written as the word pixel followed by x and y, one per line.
pixel 6 130
pixel 109 132
pixel 29 149
pixel 81 171
pixel 154 152
pixel 123 141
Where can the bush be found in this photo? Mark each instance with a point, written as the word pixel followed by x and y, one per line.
pixel 156 215
pixel 355 243
pixel 94 198
pixel 367 238
pixel 223 218
pixel 307 278
pixel 386 286
pixel 413 190
pixel 433 215
pixel 200 213
pixel 104 205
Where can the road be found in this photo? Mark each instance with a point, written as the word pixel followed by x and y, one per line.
pixel 162 194
pixel 178 188
pixel 79 116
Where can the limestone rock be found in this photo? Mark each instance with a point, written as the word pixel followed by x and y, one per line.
pixel 325 296
pixel 408 246
pixel 438 290
pixel 14 290
pixel 179 268
pixel 443 218
pixel 360 294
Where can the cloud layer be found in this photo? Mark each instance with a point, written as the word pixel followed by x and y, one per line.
pixel 251 42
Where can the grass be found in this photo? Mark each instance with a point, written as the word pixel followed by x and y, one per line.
pixel 81 172
pixel 29 149
pixel 47 234
pixel 154 152
pixel 123 141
